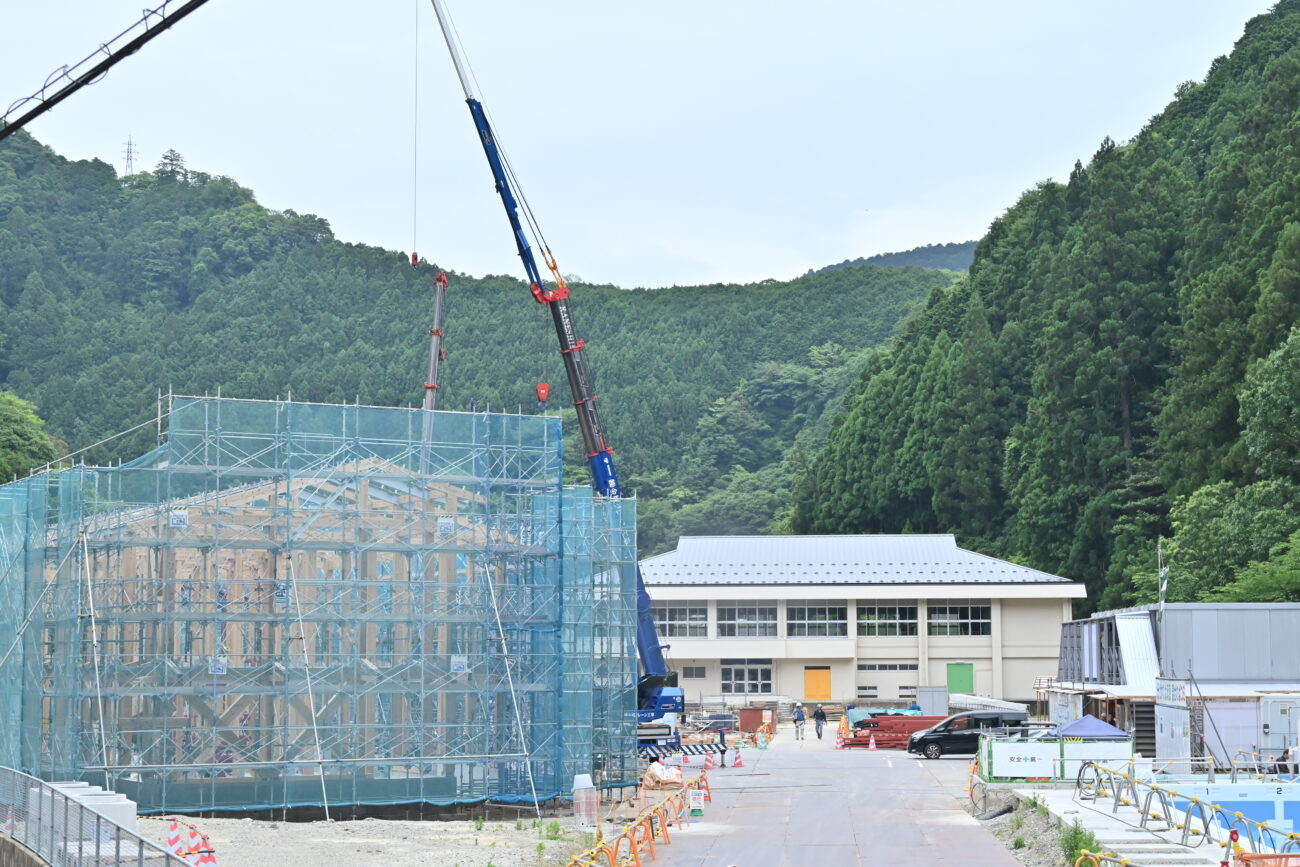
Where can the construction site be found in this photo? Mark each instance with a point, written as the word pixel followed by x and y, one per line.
pixel 289 604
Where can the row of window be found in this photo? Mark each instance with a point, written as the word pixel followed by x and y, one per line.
pixel 824 619
pixel 754 676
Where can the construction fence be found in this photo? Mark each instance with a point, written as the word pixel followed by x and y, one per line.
pixel 289 604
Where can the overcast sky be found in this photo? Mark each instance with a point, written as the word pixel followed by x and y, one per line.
pixel 659 143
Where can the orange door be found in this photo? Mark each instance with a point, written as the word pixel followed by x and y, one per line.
pixel 817 683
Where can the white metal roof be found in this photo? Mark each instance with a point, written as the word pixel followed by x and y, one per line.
pixel 1137 647
pixel 903 559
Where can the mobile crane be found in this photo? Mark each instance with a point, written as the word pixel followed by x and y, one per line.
pixel 660 701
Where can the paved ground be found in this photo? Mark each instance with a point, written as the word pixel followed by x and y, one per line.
pixel 805 803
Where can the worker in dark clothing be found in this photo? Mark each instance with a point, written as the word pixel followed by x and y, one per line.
pixel 819 718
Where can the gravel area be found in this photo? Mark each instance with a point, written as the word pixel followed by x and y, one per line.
pixel 1032 835
pixel 391 843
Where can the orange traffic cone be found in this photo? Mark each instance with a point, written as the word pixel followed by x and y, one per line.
pixel 871 747
pixel 704 787
pixel 839 741
pixel 735 760
pixel 710 762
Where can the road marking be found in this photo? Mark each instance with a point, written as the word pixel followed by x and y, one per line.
pixel 889 762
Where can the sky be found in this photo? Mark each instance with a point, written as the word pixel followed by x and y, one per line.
pixel 659 144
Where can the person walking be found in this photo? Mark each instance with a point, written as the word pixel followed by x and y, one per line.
pixel 799 718
pixel 819 718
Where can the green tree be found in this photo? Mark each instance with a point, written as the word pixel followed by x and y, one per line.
pixel 24 444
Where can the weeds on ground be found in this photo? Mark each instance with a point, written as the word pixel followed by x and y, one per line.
pixel 1075 838
pixel 478 823
pixel 588 839
pixel 553 830
pixel 1016 821
pixel 541 851
pixel 1018 843
pixel 519 824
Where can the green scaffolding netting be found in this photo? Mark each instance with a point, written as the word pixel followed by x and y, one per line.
pixel 285 604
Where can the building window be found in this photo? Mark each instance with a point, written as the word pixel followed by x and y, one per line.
pixel 693 672
pixel 887 666
pixel 896 618
pixel 746 620
pixel 960 617
pixel 820 619
pixel 681 621
pixel 867 692
pixel 747 676
pixel 905 691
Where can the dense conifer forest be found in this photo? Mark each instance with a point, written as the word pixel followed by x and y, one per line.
pixel 112 288
pixel 1120 365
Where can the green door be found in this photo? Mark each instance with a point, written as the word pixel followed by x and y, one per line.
pixel 961 678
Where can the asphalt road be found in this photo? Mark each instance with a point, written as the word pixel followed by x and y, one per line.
pixel 806 803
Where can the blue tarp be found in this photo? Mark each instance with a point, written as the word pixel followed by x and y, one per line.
pixel 1088 726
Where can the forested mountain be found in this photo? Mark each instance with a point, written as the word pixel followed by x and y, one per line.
pixel 947 257
pixel 111 288
pixel 1120 364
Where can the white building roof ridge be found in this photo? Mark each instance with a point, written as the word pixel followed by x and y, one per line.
pixel 833 559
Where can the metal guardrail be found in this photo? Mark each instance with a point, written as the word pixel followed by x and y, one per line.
pixel 64 832
pixel 1156 803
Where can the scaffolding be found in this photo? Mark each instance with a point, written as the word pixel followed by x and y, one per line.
pixel 289 604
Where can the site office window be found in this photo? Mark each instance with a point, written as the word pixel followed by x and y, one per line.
pixel 889 619
pixel 960 617
pixel 746 677
pixel 747 620
pixel 681 620
pixel 816 619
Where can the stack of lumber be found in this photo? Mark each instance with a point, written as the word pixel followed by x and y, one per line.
pixel 891 732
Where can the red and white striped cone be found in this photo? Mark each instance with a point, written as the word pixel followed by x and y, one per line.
pixel 871 747
pixel 735 760
pixel 174 838
pixel 710 762
pixel 839 741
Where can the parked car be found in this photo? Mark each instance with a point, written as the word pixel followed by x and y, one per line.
pixel 960 733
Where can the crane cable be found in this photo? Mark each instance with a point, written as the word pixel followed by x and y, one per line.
pixel 415 145
pixel 538 237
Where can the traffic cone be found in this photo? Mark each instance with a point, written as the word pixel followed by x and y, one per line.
pixel 871 747
pixel 839 741
pixel 704 787
pixel 174 838
pixel 735 760
pixel 710 762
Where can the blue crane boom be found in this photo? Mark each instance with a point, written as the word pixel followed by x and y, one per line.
pixel 600 457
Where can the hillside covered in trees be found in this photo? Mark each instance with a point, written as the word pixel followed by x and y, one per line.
pixel 947 257
pixel 113 288
pixel 1120 365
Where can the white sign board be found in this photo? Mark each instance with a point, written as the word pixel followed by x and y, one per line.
pixel 459 664
pixel 1022 759
pixel 1109 753
pixel 1173 725
pixel 179 518
pixel 1064 707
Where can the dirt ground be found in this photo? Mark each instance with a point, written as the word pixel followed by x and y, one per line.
pixel 390 843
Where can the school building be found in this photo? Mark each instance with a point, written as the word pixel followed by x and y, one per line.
pixel 852 618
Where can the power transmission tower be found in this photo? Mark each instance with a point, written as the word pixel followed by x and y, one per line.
pixel 129 153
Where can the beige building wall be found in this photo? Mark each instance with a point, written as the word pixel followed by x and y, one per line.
pixel 1025 624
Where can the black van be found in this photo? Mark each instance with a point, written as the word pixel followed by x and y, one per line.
pixel 960 733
